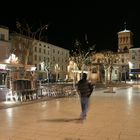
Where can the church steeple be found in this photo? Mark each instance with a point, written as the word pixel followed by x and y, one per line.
pixel 125 40
pixel 125 25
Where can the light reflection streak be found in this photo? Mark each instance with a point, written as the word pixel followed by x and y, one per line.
pixel 44 104
pixel 9 116
pixel 9 112
pixel 129 97
pixel 57 105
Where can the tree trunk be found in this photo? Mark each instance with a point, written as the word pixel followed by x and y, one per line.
pixel 26 57
pixel 110 78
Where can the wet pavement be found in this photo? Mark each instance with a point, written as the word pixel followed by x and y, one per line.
pixel 112 116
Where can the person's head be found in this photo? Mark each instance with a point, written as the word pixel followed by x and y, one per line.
pixel 84 76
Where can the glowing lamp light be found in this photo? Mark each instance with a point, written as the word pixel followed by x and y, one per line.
pixel 130 65
pixel 12 59
pixel 33 68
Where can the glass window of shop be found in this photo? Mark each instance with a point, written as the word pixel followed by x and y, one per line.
pixel 3 78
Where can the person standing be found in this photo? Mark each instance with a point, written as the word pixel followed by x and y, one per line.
pixel 84 88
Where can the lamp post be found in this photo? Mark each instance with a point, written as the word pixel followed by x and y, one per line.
pixel 57 68
pixel 11 60
pixel 47 67
pixel 74 74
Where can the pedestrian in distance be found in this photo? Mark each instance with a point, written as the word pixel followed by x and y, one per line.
pixel 84 88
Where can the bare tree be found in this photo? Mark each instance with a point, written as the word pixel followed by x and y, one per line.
pixel 23 42
pixel 109 59
pixel 81 56
pixel 27 37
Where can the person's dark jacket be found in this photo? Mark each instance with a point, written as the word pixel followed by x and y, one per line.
pixel 85 88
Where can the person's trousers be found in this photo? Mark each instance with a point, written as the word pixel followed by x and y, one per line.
pixel 84 106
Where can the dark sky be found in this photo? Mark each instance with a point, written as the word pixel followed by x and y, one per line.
pixel 100 22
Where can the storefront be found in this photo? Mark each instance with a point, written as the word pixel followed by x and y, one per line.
pixel 16 78
pixel 134 74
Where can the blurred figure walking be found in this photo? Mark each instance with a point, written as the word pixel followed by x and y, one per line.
pixel 84 88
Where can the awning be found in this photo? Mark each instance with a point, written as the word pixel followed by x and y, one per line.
pixel 135 71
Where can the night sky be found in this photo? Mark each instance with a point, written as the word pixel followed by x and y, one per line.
pixel 100 22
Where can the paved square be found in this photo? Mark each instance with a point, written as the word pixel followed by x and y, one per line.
pixel 111 116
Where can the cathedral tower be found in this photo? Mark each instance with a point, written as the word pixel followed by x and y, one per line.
pixel 125 40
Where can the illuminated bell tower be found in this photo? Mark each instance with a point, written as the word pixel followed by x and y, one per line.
pixel 125 40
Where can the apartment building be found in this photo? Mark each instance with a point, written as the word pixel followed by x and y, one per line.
pixel 134 63
pixel 4 42
pixel 50 60
pixel 4 53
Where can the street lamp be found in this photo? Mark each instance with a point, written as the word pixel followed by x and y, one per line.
pixel 74 74
pixel 57 68
pixel 47 67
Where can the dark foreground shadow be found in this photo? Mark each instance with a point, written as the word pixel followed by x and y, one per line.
pixel 59 120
